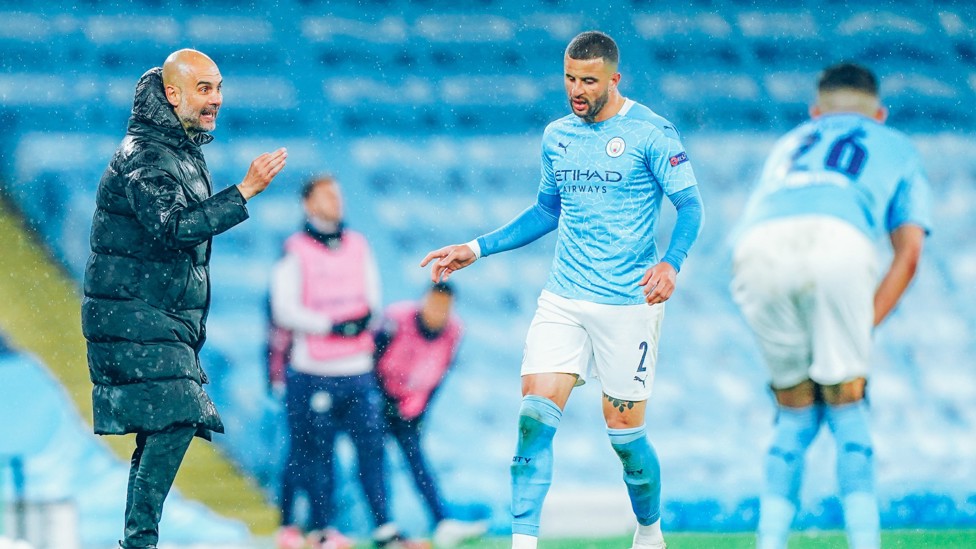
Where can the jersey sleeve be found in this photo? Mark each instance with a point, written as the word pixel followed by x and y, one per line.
pixel 912 202
pixel 667 160
pixel 160 205
pixel 547 182
pixel 687 226
pixel 535 221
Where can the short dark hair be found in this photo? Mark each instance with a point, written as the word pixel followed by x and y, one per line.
pixel 442 287
pixel 847 76
pixel 309 185
pixel 591 45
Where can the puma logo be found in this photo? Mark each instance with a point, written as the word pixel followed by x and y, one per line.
pixel 565 147
pixel 642 381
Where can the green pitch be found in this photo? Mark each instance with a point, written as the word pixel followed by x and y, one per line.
pixel 901 539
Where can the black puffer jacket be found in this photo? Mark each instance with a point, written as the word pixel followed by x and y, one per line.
pixel 147 283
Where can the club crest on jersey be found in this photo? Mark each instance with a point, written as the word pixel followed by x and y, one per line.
pixel 616 147
pixel 678 158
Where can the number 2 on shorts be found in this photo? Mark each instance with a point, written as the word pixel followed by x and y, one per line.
pixel 642 347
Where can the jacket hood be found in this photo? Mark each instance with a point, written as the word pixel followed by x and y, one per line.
pixel 151 107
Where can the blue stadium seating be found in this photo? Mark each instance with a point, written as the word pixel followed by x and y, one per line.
pixel 431 114
pixel 44 433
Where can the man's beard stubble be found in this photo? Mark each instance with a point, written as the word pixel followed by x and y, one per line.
pixel 595 107
pixel 190 119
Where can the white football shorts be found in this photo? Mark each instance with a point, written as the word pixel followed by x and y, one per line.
pixel 616 344
pixel 806 286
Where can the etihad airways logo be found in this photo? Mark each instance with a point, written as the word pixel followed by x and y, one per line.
pixel 592 178
pixel 602 189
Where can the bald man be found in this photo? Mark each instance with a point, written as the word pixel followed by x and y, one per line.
pixel 147 283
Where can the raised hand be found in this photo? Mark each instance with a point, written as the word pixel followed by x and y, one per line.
pixel 449 259
pixel 263 169
pixel 658 283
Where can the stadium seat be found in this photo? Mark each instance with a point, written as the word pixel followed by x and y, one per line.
pixel 665 24
pixel 364 46
pixel 35 42
pixel 126 44
pixel 887 40
pixel 920 102
pixel 687 42
pixel 959 27
pixel 714 100
pixel 792 92
pixel 261 104
pixel 787 40
pixel 470 44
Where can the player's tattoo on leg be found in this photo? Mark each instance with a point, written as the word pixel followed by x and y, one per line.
pixel 620 405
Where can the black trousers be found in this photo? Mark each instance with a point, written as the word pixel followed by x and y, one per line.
pixel 319 408
pixel 407 433
pixel 155 461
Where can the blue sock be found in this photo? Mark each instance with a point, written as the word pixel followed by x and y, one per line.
pixel 642 472
pixel 794 431
pixel 855 473
pixel 532 464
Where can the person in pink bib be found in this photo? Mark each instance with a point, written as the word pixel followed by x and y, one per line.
pixel 324 292
pixel 415 347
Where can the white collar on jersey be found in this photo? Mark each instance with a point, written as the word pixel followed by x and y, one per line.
pixel 628 103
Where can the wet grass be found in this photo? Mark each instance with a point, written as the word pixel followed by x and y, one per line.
pixel 894 539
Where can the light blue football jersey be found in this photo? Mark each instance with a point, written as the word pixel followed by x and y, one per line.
pixel 610 177
pixel 846 166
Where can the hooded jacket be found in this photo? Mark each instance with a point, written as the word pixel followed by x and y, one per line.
pixel 147 282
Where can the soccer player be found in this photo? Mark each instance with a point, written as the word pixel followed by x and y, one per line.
pixel 605 169
pixel 806 277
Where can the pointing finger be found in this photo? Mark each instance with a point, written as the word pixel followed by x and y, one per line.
pixel 427 258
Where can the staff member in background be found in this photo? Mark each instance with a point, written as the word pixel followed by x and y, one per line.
pixel 324 291
pixel 415 347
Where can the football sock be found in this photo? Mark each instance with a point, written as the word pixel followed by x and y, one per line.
pixel 642 472
pixel 794 431
pixel 523 541
pixel 775 519
pixel 649 535
pixel 532 464
pixel 855 473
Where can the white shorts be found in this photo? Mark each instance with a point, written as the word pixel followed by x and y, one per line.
pixel 806 286
pixel 616 344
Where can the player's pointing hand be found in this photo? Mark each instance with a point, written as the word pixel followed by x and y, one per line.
pixel 658 283
pixel 449 259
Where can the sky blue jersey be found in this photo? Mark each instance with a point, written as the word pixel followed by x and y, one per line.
pixel 846 166
pixel 610 177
